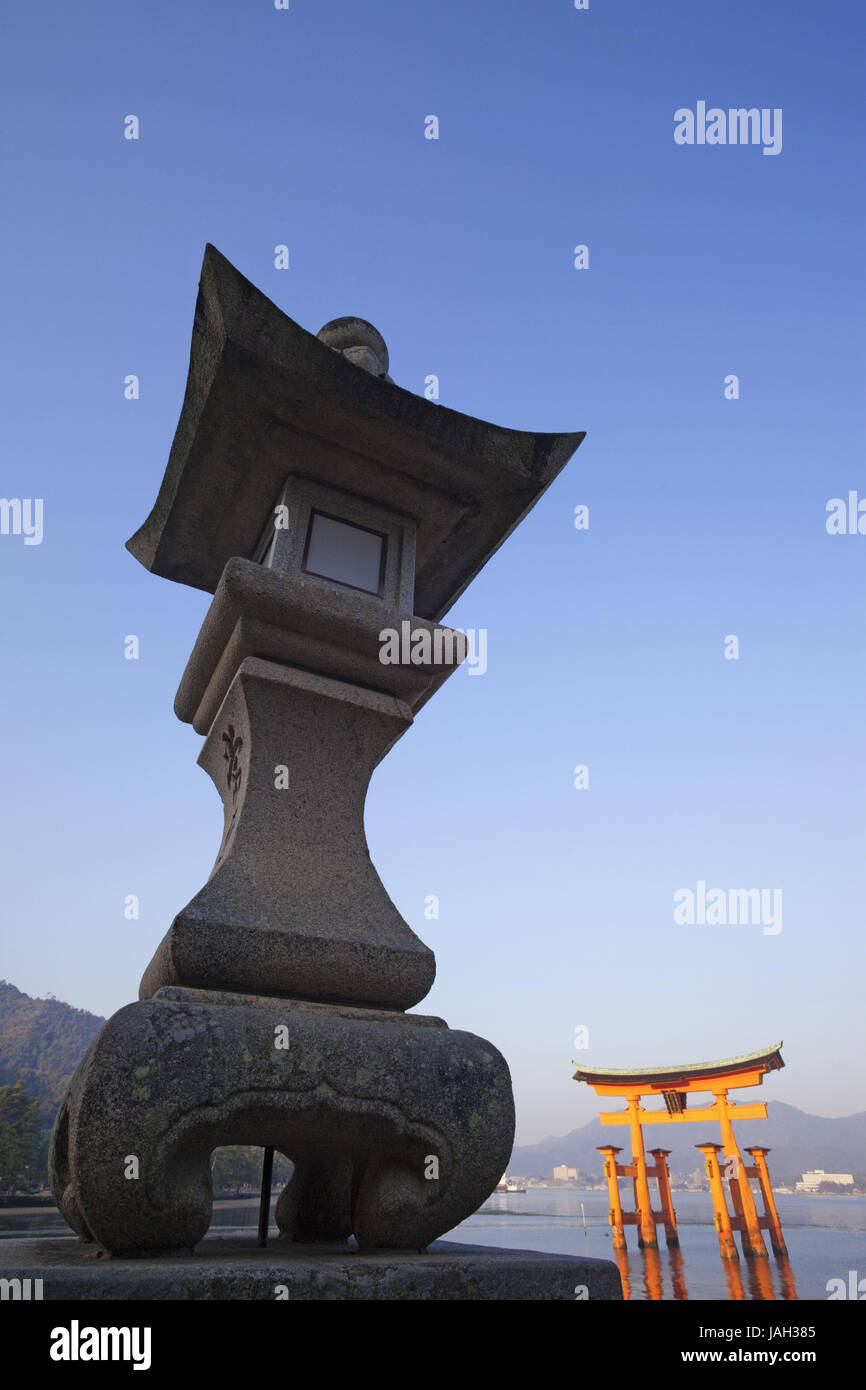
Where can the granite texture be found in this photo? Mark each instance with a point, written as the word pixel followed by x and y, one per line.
pixel 234 1269
pixel 398 1128
pixel 294 904
pixel 298 621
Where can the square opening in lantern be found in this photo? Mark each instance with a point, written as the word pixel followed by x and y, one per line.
pixel 344 552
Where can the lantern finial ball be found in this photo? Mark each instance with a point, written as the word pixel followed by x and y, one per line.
pixel 359 341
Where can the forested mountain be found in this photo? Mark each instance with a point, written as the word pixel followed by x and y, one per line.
pixel 41 1043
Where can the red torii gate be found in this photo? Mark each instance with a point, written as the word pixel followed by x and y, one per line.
pixel 676 1084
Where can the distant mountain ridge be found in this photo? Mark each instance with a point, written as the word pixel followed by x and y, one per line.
pixel 41 1043
pixel 799 1142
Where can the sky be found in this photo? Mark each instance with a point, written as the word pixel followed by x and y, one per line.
pixel 707 498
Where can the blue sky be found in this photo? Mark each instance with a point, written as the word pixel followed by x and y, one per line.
pixel 605 646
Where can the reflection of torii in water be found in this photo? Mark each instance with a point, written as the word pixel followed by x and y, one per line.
pixel 648 1268
pixel 675 1084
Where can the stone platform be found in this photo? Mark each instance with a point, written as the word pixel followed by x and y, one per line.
pixel 235 1268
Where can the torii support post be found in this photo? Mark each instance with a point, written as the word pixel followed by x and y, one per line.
pixel 646 1225
pixel 771 1216
pixel 619 1219
pixel 741 1192
pixel 662 1177
pixel 727 1244
pixel 610 1152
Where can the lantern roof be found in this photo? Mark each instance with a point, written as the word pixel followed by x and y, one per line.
pixel 266 399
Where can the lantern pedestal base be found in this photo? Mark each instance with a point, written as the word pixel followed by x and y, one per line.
pixel 398 1127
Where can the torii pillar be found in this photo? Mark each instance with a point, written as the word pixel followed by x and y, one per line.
pixel 738 1183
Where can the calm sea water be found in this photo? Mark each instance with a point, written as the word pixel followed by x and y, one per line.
pixel 826 1237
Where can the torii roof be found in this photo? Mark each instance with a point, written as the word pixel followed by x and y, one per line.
pixel 264 398
pixel 768 1059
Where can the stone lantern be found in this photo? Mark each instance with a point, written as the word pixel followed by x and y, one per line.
pixel 322 506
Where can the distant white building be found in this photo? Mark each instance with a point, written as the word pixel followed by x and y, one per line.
pixel 812 1181
pixel 562 1173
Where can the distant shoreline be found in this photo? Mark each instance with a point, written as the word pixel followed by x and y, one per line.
pixel 33 1206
